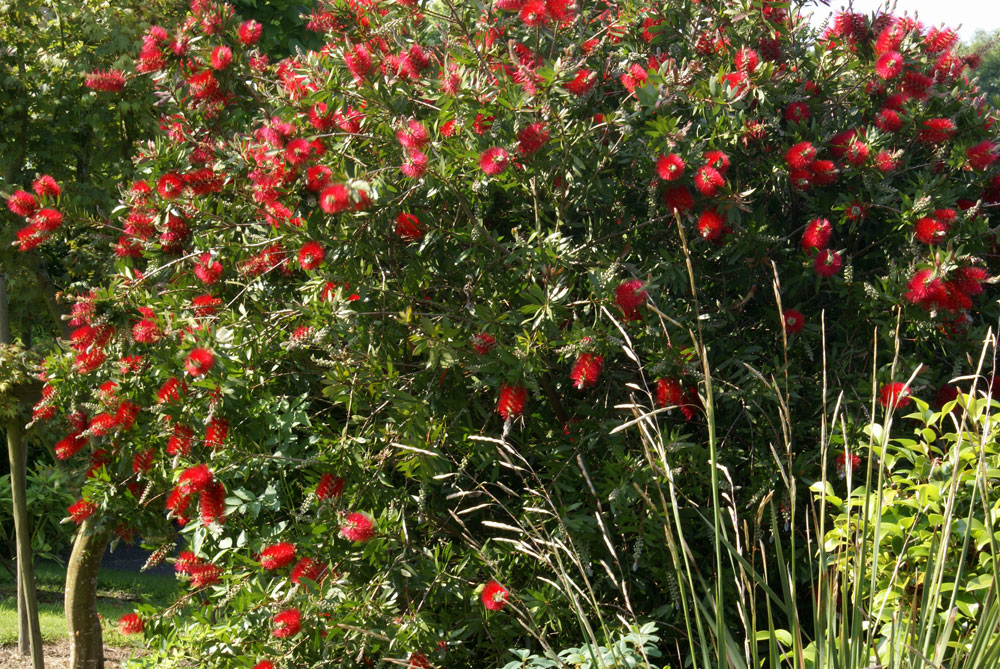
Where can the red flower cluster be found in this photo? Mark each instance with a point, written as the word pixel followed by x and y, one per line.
pixel 277 556
pixel 586 370
pixel 494 596
pixel 894 395
pixel 511 401
pixel 81 510
pixel 629 296
pixel 130 623
pixel 670 393
pixel 288 623
pixel 951 294
pixel 329 486
pixel 357 527
pixel 42 222
pixel 108 81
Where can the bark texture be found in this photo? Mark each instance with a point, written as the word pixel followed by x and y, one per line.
pixel 85 637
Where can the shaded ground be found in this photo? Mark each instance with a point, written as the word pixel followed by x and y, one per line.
pixel 57 656
pixel 118 592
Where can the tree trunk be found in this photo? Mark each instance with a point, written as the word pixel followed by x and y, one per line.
pixel 85 638
pixel 29 632
pixel 25 569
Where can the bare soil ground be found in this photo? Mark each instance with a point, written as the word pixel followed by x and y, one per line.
pixel 57 656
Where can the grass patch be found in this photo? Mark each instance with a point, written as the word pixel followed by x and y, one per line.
pixel 118 592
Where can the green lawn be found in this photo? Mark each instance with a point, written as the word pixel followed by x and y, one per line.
pixel 117 594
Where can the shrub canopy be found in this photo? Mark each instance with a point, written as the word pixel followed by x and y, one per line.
pixel 373 312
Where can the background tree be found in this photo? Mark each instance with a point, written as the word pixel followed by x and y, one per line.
pixel 987 46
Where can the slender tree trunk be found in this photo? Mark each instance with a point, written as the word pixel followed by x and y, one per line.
pixel 25 569
pixel 85 638
pixel 29 631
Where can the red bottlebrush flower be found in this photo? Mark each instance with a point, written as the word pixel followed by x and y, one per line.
pixel 483 343
pixel 921 288
pixel 311 255
pixel 207 270
pixel 43 410
pixel 413 135
pixel 800 155
pixel 857 153
pixel 204 575
pixel 817 235
pixel 531 138
pixel 358 61
pixel 169 391
pixel 888 120
pixel 205 305
pixel 170 186
pixel 930 231
pixel 669 393
pixel 827 263
pixel 894 395
pixel 287 623
pixel 264 664
pixel 216 432
pixel 299 151
pixel 736 82
pixel 586 370
pixel 629 296
pixel 415 167
pixel 856 211
pixel 146 331
pixel 712 226
pixel 708 180
pixel 108 81
pixel 418 661
pixel 969 279
pixel 176 504
pixel 670 168
pixel 889 65
pixel 89 361
pixel 143 461
pixel 335 199
pixel 22 203
pixel 195 479
pixel 187 562
pixel 130 623
pixel 249 32
pixel 277 556
pixel 408 227
pixel 936 130
pixel 981 156
pixel 212 504
pixel 318 178
pixel 823 172
pixel 102 424
pixel 635 77
pixel 840 142
pixel 511 401
pixel 746 59
pixel 81 510
pixel 494 596
pixel 534 13
pixel 719 160
pixel 329 486
pixel 46 187
pixel 797 112
pixel 69 446
pixel 845 460
pixel 47 220
pixel 180 441
pixel 494 160
pixel 307 568
pixel 885 162
pixel 222 56
pixel 357 527
pixel 199 362
pixel 582 83
pixel 793 320
pixel 203 85
pixel 678 198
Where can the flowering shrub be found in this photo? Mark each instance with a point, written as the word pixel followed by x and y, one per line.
pixel 375 306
